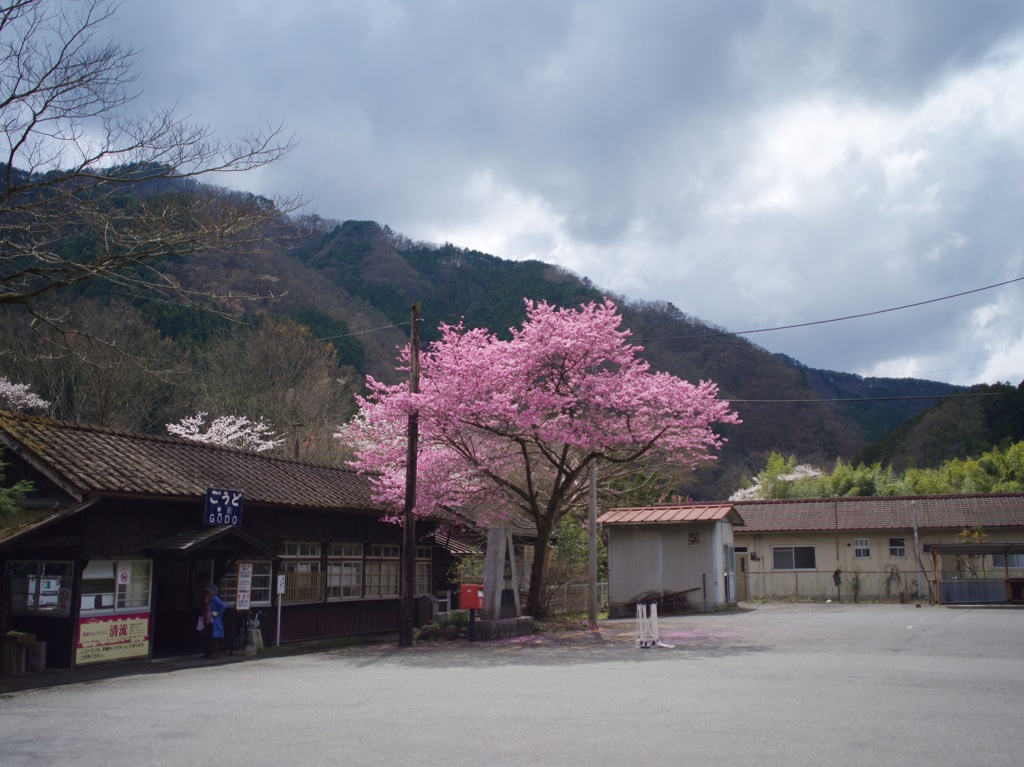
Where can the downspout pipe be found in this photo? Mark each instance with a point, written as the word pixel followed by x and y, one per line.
pixel 917 549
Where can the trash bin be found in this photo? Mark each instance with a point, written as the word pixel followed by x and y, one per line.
pixel 35 656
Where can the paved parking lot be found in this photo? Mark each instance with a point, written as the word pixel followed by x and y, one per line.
pixel 773 684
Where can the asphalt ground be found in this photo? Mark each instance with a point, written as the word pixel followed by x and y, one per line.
pixel 776 684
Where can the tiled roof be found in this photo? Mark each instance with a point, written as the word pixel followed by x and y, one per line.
pixel 89 461
pixel 663 515
pixel 883 513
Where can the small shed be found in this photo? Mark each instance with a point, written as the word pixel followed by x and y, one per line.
pixel 681 555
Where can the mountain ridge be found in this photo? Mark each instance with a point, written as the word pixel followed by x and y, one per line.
pixel 351 284
pixel 783 402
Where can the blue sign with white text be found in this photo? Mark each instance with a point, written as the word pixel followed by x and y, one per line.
pixel 223 507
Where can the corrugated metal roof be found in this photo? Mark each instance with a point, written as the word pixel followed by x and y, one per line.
pixel 187 541
pixel 667 515
pixel 455 542
pixel 883 513
pixel 89 461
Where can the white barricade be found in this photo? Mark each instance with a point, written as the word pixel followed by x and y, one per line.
pixel 647 626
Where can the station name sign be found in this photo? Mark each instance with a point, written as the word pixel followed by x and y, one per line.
pixel 223 507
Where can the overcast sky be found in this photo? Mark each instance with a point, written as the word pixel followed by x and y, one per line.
pixel 755 163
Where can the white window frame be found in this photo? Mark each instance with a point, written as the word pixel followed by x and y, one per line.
pixel 137 593
pixel 305 579
pixel 344 570
pixel 301 550
pixel 260 591
pixel 898 548
pixel 109 595
pixel 382 574
pixel 424 580
pixel 862 548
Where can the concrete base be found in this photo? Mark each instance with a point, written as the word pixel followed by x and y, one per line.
pixel 254 640
pixel 504 628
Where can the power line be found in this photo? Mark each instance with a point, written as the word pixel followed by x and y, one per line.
pixel 834 319
pixel 869 399
pixel 363 332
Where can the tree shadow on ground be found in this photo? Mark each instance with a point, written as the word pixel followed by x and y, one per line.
pixel 613 642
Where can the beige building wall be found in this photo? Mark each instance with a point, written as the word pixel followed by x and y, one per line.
pixel 881 569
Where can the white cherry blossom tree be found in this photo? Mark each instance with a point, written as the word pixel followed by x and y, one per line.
pixel 231 430
pixel 14 396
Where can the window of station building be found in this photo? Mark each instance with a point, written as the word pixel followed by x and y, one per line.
pixel 300 557
pixel 424 570
pixel 382 570
pixel 40 588
pixel 117 585
pixel 260 590
pixel 304 578
pixel 133 584
pixel 344 570
pixel 793 558
pixel 898 548
pixel 299 550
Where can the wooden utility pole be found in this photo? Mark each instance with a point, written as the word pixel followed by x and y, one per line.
pixel 592 546
pixel 406 621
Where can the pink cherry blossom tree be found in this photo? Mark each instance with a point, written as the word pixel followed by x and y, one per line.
pixel 231 430
pixel 509 427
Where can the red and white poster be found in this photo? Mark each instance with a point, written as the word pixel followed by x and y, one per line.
pixel 244 586
pixel 112 637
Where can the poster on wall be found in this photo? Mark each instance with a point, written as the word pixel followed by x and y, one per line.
pixel 244 586
pixel 112 637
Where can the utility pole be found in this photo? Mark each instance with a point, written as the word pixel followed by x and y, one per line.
pixel 592 547
pixel 409 518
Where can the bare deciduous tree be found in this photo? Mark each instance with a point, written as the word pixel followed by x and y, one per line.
pixel 119 375
pixel 279 372
pixel 92 190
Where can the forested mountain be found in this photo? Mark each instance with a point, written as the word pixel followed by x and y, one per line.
pixel 333 305
pixel 883 403
pixel 958 427
pixel 388 272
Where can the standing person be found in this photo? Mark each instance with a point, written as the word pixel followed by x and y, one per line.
pixel 202 580
pixel 213 618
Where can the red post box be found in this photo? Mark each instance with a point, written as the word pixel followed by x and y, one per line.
pixel 471 596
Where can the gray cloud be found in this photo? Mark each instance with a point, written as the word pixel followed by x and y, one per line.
pixel 755 163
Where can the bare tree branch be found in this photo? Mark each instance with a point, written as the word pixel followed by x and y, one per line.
pixel 89 191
